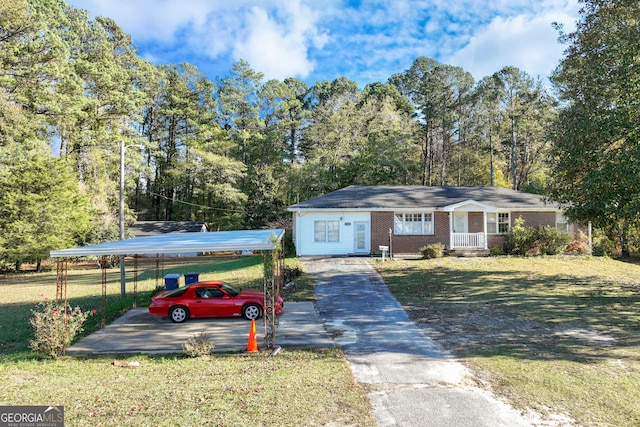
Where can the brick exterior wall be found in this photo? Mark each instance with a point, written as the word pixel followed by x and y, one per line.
pixel 495 240
pixel 382 222
pixel 534 219
pixel 476 222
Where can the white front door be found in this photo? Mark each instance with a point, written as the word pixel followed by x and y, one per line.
pixel 460 222
pixel 362 241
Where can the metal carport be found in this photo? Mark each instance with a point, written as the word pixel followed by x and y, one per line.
pixel 269 242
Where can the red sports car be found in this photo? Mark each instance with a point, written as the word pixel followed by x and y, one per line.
pixel 210 299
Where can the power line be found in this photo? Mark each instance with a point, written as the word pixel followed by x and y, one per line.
pixel 195 204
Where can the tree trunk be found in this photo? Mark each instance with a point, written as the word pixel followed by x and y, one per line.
pixel 624 240
pixel 514 174
pixel 493 171
pixel 425 156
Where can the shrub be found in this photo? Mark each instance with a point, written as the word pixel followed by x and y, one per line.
pixel 434 250
pixel 198 345
pixel 603 245
pixel 520 239
pixel 579 245
pixel 291 273
pixel 551 240
pixel 495 251
pixel 545 240
pixel 55 327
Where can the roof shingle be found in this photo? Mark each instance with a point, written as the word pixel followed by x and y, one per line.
pixel 417 196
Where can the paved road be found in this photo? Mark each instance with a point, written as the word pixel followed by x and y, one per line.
pixel 411 380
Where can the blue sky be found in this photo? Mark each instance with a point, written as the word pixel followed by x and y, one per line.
pixel 365 41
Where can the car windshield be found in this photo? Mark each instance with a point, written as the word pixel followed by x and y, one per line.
pixel 231 290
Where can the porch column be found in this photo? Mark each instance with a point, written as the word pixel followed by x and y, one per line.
pixel 451 240
pixel 484 220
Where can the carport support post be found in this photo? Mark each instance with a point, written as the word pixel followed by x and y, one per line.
pixel 62 276
pixel 123 285
pixel 272 274
pixel 103 307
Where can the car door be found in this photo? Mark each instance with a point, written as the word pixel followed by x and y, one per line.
pixel 212 302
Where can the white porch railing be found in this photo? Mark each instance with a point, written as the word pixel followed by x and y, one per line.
pixel 468 241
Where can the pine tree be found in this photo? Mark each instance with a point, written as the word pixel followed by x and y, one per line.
pixel 42 207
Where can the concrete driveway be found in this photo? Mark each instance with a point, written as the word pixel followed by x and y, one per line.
pixel 411 380
pixel 139 332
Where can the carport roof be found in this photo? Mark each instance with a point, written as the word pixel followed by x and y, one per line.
pixel 219 241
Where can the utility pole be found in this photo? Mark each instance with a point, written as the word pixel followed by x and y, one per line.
pixel 123 148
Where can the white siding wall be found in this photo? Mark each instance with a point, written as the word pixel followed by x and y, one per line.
pixel 304 232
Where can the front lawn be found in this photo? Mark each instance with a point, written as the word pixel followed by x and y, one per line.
pixel 312 387
pixel 556 334
pixel 295 388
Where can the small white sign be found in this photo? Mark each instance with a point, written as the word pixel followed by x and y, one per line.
pixel 384 248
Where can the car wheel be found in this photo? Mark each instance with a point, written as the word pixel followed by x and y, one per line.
pixel 251 311
pixel 179 314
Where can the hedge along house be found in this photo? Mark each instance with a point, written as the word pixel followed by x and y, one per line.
pixel 359 219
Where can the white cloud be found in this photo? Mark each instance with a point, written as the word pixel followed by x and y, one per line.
pixel 301 38
pixel 157 20
pixel 277 44
pixel 527 42
pixel 273 36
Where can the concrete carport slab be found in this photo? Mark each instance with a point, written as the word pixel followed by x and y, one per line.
pixel 266 241
pixel 139 332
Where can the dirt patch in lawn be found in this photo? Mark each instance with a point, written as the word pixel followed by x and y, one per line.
pixel 486 330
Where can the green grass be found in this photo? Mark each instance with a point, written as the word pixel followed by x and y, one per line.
pixel 20 292
pixel 312 387
pixel 557 334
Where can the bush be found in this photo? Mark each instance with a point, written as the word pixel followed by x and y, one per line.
pixel 603 245
pixel 495 251
pixel 520 239
pixel 198 345
pixel 545 240
pixel 55 327
pixel 291 273
pixel 579 245
pixel 434 250
pixel 551 240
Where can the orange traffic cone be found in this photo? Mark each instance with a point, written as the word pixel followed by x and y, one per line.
pixel 252 344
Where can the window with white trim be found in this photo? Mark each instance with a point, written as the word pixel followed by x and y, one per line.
pixel 326 231
pixel 413 223
pixel 498 223
pixel 562 223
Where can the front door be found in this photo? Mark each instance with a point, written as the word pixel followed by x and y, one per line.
pixel 460 222
pixel 362 242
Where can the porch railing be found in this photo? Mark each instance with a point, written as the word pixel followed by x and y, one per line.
pixel 468 240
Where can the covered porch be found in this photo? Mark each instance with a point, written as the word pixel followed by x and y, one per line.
pixel 468 225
